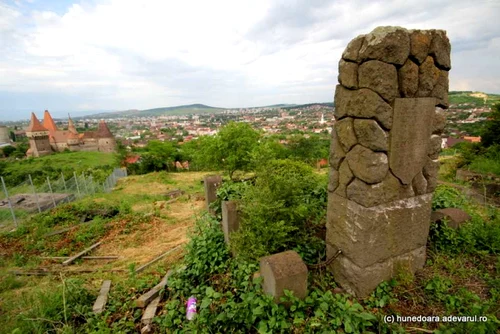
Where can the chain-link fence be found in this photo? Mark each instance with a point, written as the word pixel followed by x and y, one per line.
pixel 17 202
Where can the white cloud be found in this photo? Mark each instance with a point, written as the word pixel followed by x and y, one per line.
pixel 119 54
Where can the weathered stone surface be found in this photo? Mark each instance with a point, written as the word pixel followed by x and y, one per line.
pixel 371 135
pixel 345 133
pixel 230 219
pixel 362 103
pixel 348 74
pixel 434 146
pixel 371 167
pixel 284 271
pixel 211 183
pixel 438 121
pixel 333 179
pixel 420 41
pixel 440 49
pixel 368 195
pixel 440 91
pixel 337 153
pixel 387 44
pixel 428 76
pixel 370 235
pixel 362 281
pixel 351 52
pixel 345 177
pixel 408 79
pixel 454 217
pixel 431 170
pixel 379 77
pixel 419 184
pixel 410 135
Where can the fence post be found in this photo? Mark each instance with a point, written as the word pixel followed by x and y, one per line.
pixel 51 193
pixel 92 184
pixel 104 187
pixel 77 186
pixel 34 193
pixel 64 182
pixel 8 201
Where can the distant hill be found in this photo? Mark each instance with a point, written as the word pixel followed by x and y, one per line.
pixel 168 111
pixel 477 99
pixel 325 104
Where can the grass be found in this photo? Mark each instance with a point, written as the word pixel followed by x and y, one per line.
pixel 485 165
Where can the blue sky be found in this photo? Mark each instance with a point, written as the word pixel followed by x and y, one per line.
pixel 93 55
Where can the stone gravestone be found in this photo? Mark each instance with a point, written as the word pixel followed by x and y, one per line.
pixel 211 183
pixel 230 219
pixel 383 157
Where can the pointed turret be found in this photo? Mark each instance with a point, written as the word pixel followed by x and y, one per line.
pixel 103 130
pixel 35 125
pixel 48 122
pixel 71 126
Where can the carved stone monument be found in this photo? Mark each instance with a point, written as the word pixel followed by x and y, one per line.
pixel 383 157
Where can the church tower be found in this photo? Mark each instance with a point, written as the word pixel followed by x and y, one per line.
pixel 38 137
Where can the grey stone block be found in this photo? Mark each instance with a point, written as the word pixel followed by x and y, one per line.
pixel 211 183
pixel 230 219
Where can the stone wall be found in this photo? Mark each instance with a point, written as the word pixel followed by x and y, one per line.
pixel 383 158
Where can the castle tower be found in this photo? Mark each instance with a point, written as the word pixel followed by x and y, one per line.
pixel 106 141
pixel 38 137
pixel 48 122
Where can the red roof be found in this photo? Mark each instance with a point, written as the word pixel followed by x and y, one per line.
pixel 103 131
pixel 48 122
pixel 132 159
pixel 35 125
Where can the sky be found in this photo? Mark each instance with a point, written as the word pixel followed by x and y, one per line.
pixel 92 55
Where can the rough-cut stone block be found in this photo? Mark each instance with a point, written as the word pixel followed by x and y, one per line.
pixel 420 41
pixel 455 217
pixel 211 183
pixel 434 146
pixel 345 177
pixel 379 77
pixel 371 167
pixel 439 121
pixel 370 235
pixel 428 76
pixel 333 180
pixel 348 74
pixel 362 103
pixel 408 79
pixel 412 126
pixel 337 153
pixel 431 170
pixel 284 271
pixel 368 195
pixel 361 281
pixel 440 91
pixel 230 219
pixel 370 135
pixel 351 52
pixel 345 133
pixel 387 44
pixel 419 184
pixel 440 49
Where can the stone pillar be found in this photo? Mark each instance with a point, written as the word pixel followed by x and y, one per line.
pixel 384 151
pixel 230 219
pixel 284 271
pixel 211 183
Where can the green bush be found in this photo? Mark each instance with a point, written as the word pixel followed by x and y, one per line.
pixel 282 210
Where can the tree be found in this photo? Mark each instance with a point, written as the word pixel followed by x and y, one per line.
pixel 491 133
pixel 233 146
pixel 8 150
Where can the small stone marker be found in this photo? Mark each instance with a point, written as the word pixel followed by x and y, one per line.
pixel 455 217
pixel 211 183
pixel 101 300
pixel 284 271
pixel 230 219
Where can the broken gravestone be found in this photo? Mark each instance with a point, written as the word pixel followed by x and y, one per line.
pixel 383 156
pixel 284 271
pixel 230 219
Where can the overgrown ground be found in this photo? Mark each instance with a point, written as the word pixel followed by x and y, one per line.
pixel 461 276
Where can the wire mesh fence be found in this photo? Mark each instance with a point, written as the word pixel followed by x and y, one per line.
pixel 18 201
